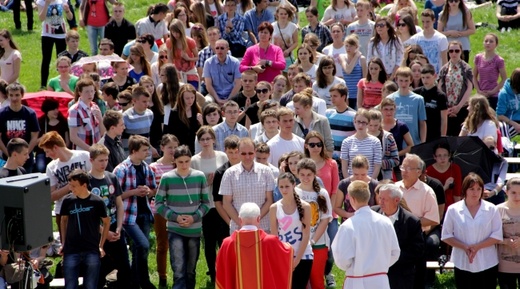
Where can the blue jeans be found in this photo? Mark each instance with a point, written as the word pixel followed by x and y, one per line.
pixel 41 162
pixel 93 33
pixel 71 266
pixel 139 233
pixel 184 253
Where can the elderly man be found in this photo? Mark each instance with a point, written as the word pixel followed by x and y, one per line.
pixel 221 73
pixel 409 234
pixel 247 181
pixel 250 258
pixel 422 202
pixel 358 248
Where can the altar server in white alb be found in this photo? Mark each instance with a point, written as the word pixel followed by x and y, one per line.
pixel 366 244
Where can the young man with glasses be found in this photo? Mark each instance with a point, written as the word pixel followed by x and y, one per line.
pixel 433 43
pixel 247 181
pixel 221 73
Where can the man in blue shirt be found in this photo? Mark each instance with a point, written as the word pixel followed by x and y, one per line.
pixel 221 73
pixel 255 17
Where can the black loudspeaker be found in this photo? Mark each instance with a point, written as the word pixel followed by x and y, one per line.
pixel 26 212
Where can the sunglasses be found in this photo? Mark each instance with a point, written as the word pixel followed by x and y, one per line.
pixel 453 1
pixel 454 50
pixel 124 103
pixel 401 24
pixel 315 144
pixel 247 154
pixel 163 57
pixel 263 90
pixel 140 41
pixel 220 48
pixel 381 25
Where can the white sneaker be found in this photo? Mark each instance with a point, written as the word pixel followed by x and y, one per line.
pixel 503 30
pixel 330 280
pixel 509 29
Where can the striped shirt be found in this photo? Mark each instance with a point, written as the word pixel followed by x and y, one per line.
pixel 159 170
pixel 136 123
pixel 370 147
pixel 341 127
pixel 179 195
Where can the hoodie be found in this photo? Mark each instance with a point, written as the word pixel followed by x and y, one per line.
pixel 508 102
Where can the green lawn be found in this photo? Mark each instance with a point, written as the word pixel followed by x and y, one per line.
pixel 29 44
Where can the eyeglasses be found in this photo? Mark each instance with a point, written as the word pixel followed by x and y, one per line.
pixel 205 139
pixel 263 90
pixel 63 67
pixel 247 154
pixel 454 50
pixel 315 144
pixel 361 122
pixel 407 169
pixel 163 57
pixel 400 24
pixel 381 25
pixel 220 48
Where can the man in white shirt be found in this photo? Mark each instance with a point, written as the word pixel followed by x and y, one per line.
pixel 358 243
pixel 285 141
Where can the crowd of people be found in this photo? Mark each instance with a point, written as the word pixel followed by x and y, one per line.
pixel 213 105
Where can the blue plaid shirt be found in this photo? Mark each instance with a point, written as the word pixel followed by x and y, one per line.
pixel 235 36
pixel 322 32
pixel 127 178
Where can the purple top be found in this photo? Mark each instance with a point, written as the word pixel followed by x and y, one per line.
pixel 488 71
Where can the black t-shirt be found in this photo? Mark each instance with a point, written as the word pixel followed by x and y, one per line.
pixel 434 101
pixel 85 215
pixel 5 173
pixel 18 123
pixel 129 82
pixel 240 98
pixel 437 188
pixel 120 35
pixel 108 189
pixel 217 179
pixel 142 206
pixel 252 113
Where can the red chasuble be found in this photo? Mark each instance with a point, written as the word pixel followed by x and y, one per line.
pixel 254 260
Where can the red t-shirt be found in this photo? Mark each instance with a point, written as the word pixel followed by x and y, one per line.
pixel 97 13
pixel 371 92
pixel 179 62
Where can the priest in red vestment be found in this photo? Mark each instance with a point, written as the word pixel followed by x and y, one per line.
pixel 253 259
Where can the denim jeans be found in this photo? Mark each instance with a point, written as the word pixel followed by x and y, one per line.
pixel 139 233
pixel 90 261
pixel 93 33
pixel 184 253
pixel 41 162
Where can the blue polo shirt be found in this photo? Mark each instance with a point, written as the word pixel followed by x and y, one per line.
pixel 252 20
pixel 223 75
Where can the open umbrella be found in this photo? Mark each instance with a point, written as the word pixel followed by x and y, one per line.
pixel 469 152
pixel 34 100
pixel 103 63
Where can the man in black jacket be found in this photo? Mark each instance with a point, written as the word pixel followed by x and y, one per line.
pixel 409 235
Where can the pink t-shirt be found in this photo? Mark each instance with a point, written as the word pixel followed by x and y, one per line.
pixel 371 92
pixel 329 175
pixel 488 71
pixel 7 64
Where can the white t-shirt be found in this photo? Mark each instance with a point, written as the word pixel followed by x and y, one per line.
pixel 312 72
pixel 285 33
pixel 487 128
pixel 432 47
pixel 54 24
pixel 58 171
pixel 345 13
pixel 280 146
pixel 324 92
pixel 334 53
pixel 312 199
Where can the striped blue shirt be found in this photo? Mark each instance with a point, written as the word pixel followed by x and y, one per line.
pixel 341 127
pixel 135 123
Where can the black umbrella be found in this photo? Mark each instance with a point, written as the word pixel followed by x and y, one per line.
pixel 469 152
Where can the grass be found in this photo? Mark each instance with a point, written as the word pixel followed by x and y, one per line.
pixel 30 46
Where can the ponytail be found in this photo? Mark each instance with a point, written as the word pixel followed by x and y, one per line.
pixel 300 208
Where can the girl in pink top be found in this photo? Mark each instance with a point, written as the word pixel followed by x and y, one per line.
pixel 488 67
pixel 369 88
pixel 264 58
pixel 163 165
pixel 183 53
